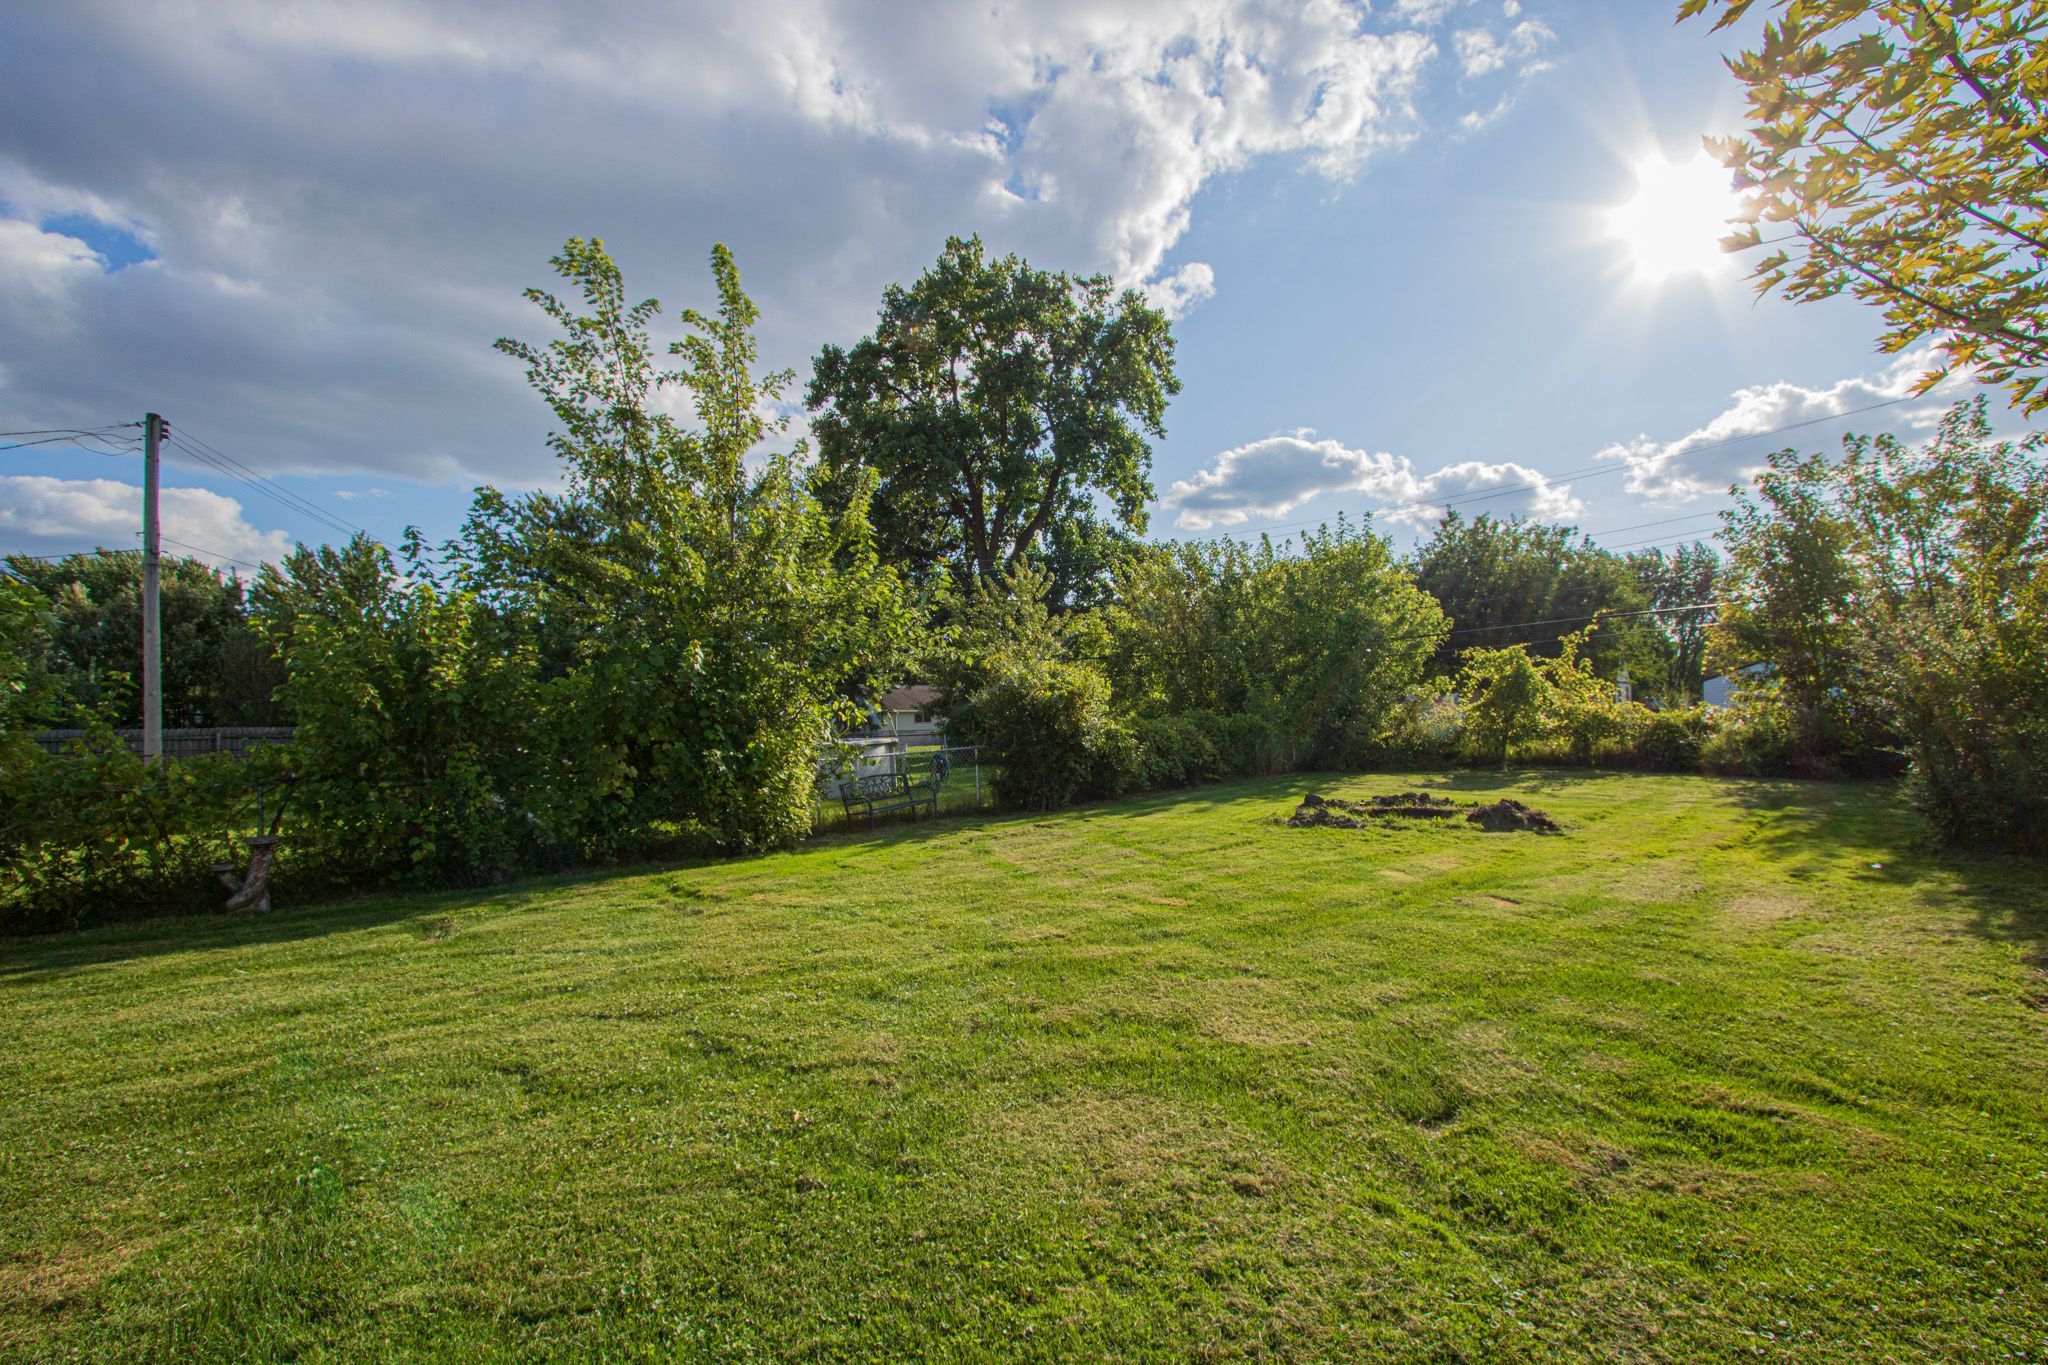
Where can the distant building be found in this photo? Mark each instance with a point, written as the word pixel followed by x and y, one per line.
pixel 906 715
pixel 1719 690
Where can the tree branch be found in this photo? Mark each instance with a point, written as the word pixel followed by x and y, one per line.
pixel 2033 345
pixel 1998 106
pixel 1899 164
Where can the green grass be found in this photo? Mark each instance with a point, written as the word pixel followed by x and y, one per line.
pixel 1164 1079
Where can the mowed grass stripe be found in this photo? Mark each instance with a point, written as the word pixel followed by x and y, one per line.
pixel 1729 1068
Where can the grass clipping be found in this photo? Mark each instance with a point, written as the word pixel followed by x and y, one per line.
pixel 1495 817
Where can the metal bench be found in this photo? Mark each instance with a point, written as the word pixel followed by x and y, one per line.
pixel 885 793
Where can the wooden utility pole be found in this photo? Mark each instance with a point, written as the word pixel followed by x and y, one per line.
pixel 152 632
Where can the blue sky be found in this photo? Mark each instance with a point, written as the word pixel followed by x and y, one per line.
pixel 1385 232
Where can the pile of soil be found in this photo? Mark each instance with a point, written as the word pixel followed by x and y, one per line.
pixel 1507 815
pixel 1329 812
pixel 1414 805
pixel 1316 811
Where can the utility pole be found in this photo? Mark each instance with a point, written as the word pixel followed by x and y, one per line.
pixel 152 631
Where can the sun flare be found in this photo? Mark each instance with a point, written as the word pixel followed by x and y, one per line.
pixel 1674 224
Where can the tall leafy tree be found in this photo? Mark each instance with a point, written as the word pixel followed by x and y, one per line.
pixel 1949 544
pixel 1901 594
pixel 1898 152
pixel 1007 412
pixel 216 671
pixel 1516 582
pixel 1678 582
pixel 1787 599
pixel 705 614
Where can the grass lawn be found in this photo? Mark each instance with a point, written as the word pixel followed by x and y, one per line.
pixel 1166 1079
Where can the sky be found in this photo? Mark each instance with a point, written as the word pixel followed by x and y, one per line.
pixel 1421 254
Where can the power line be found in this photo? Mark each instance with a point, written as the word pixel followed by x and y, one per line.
pixel 1439 636
pixel 71 431
pixel 201 452
pixel 1641 525
pixel 1660 542
pixel 258 482
pixel 103 550
pixel 77 439
pixel 185 437
pixel 223 558
pixel 1596 616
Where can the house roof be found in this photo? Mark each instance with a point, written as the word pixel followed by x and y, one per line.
pixel 914 697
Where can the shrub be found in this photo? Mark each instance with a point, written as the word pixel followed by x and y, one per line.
pixel 1506 700
pixel 97 834
pixel 1669 741
pixel 1175 751
pixel 1424 731
pixel 1756 735
pixel 1580 707
pixel 1046 726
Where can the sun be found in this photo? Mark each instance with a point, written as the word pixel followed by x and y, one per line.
pixel 1674 224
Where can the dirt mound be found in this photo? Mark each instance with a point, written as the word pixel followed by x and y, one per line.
pixel 1329 812
pixel 1414 806
pixel 1507 815
pixel 1315 811
pixel 1400 803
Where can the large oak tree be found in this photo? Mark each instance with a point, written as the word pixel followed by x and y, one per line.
pixel 1006 411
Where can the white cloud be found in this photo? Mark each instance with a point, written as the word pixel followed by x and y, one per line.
pixel 333 264
pixel 42 515
pixel 1525 492
pixel 38 269
pixel 1275 476
pixel 1272 477
pixel 1735 443
pixel 1482 52
pixel 1186 287
pixel 1425 12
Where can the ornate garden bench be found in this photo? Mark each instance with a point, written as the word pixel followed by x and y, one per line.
pixel 883 793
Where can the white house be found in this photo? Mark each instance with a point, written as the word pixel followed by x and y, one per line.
pixel 905 715
pixel 1719 689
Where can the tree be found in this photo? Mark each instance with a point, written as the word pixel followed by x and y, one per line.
pixel 1898 153
pixel 704 617
pixel 1494 577
pixel 421 746
pixel 1949 546
pixel 1318 641
pixel 1903 596
pixel 1000 406
pixel 1579 706
pixel 216 671
pixel 1506 699
pixel 25 684
pixel 1675 581
pixel 1012 683
pixel 1787 596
